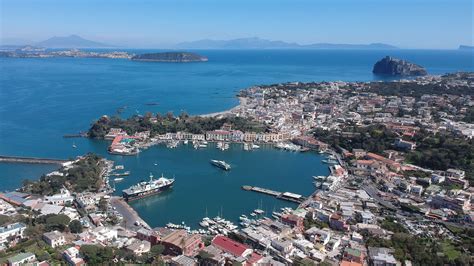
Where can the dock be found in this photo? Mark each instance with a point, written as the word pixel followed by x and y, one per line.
pixel 130 216
pixel 293 197
pixel 31 160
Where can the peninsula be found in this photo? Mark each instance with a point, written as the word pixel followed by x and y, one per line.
pixel 172 57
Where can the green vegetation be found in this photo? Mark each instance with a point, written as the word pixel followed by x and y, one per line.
pixel 469 117
pixel 84 176
pixel 416 90
pixel 421 251
pixel 54 222
pixel 392 225
pixel 465 235
pixel 75 227
pixel 374 138
pixel 95 255
pixel 440 152
pixel 171 124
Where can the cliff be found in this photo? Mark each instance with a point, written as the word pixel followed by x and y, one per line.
pixel 176 57
pixel 397 67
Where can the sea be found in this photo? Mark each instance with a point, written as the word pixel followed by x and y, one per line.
pixel 43 99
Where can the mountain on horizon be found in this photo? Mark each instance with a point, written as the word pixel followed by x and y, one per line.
pixel 71 41
pixel 466 47
pixel 258 43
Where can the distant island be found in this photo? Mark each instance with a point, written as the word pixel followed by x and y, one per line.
pixel 258 43
pixel 173 57
pixel 397 67
pixel 466 47
pixel 37 52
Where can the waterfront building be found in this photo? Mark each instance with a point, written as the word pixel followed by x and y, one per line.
pixel 179 242
pixel 250 136
pixel 148 235
pixel 218 135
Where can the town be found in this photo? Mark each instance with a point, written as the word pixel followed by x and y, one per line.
pixel 399 192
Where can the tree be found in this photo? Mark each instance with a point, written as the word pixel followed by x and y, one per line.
pixel 157 250
pixel 103 204
pixel 56 222
pixel 97 255
pixel 75 227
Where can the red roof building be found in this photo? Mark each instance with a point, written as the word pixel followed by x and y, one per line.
pixel 230 246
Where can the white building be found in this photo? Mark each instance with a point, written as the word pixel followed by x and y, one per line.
pixel 14 230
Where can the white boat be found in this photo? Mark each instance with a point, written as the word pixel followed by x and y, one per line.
pixel 185 141
pixel 118 179
pixel 247 147
pixel 254 146
pixel 221 164
pixel 258 211
pixel 74 146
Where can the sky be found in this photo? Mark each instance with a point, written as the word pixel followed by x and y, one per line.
pixel 428 24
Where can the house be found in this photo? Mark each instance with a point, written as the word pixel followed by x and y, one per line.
pixel 139 247
pixel 353 255
pixel 283 247
pixel 148 235
pixel 405 145
pixel 22 259
pixel 216 258
pixel 293 221
pixel 180 242
pixel 72 256
pixel 382 257
pixel 338 223
pixel 11 231
pixel 183 260
pixel 54 239
pixel 455 173
pixel 317 235
pixel 456 204
pixel 359 153
pixel 62 198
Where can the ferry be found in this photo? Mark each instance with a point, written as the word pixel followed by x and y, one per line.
pixel 147 188
pixel 221 164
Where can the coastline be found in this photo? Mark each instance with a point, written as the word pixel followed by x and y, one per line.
pixel 242 103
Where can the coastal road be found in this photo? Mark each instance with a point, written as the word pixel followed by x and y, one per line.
pixel 130 216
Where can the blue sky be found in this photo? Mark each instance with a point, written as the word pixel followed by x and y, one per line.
pixel 138 23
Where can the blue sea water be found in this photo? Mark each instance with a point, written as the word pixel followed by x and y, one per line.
pixel 43 99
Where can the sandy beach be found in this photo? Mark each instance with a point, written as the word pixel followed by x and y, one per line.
pixel 243 102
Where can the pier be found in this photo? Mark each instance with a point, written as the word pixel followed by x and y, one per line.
pixel 279 195
pixel 31 160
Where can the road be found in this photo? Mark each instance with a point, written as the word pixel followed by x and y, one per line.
pixel 130 216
